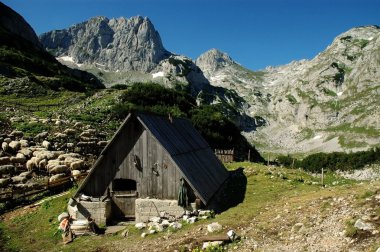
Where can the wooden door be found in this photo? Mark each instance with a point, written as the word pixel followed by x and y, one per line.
pixel 125 204
pixel 124 194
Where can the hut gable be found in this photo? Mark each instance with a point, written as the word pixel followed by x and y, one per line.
pixel 156 152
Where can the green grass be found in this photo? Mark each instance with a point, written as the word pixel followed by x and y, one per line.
pixel 31 128
pixel 291 99
pixel 350 143
pixel 267 189
pixel 347 127
pixel 329 92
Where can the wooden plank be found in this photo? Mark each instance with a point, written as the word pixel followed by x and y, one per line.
pixel 161 169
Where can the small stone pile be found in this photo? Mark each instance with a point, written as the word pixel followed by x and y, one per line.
pixel 168 222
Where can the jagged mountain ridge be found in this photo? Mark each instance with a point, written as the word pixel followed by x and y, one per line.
pixel 111 44
pixel 299 107
pixel 329 103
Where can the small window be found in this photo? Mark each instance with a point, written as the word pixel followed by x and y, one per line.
pixel 124 185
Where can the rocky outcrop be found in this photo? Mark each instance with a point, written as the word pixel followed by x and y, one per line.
pixel 110 44
pixel 213 60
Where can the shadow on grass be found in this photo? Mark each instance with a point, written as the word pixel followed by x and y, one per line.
pixel 232 193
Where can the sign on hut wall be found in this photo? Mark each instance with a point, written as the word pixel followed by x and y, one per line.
pixel 225 155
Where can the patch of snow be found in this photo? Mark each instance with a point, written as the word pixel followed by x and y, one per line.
pixel 66 58
pixel 218 77
pixel 79 65
pixel 317 137
pixel 339 94
pixel 117 70
pixel 370 38
pixel 100 64
pixel 159 74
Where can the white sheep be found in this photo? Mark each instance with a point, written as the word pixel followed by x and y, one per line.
pixel 56 177
pixel 69 132
pixel 78 125
pixel 18 160
pixel 58 169
pixel 72 155
pixel 77 165
pixel 4 182
pixel 18 179
pixel 85 134
pixel 75 173
pixel 41 135
pixel 15 145
pixel 53 163
pixel 5 146
pixel 42 164
pixel 46 144
pixel 7 169
pixel 5 160
pixel 32 163
pixel 24 143
pixel 70 160
pixel 26 152
pixel 102 143
pixel 27 174
pixel 17 133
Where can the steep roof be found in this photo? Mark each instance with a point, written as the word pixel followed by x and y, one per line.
pixel 188 149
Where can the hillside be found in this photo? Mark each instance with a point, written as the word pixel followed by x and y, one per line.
pixel 26 69
pixel 283 210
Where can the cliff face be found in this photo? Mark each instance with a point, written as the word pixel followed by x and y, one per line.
pixel 116 44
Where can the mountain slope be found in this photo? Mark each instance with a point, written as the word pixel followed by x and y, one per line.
pixel 329 103
pixel 116 45
pixel 26 68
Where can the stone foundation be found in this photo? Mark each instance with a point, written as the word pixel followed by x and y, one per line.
pixel 100 211
pixel 146 208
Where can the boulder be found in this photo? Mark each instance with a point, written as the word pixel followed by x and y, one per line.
pixel 69 132
pixel 214 227
pixel 175 225
pixel 140 225
pixel 360 224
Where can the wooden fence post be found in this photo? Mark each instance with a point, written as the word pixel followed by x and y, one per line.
pixel 322 178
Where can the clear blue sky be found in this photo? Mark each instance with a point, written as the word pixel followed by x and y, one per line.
pixel 254 33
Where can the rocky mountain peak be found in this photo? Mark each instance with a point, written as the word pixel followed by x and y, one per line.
pixel 117 44
pixel 14 23
pixel 213 60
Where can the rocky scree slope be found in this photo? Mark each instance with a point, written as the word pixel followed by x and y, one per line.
pixel 110 44
pixel 329 103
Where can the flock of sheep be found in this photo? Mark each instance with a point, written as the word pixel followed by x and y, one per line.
pixel 26 161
